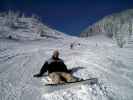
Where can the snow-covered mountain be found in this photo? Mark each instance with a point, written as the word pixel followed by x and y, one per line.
pixel 117 25
pixel 14 26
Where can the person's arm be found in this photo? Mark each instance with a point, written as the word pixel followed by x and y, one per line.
pixel 64 66
pixel 43 70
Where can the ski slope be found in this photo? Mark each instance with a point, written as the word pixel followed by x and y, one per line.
pixel 99 57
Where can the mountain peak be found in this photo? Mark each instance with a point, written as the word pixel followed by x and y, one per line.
pixel 12 25
pixel 110 24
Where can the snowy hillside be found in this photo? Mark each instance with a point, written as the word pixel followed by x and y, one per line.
pixel 112 67
pixel 95 57
pixel 118 25
pixel 14 26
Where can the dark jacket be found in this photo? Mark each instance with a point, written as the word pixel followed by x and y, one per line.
pixel 53 65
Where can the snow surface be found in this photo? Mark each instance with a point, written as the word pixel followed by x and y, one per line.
pixel 99 57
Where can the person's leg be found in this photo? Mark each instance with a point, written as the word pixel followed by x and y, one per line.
pixel 68 77
pixel 55 77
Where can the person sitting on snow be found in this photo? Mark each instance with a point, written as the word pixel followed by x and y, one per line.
pixel 57 70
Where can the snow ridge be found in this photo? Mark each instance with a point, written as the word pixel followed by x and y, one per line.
pixel 14 26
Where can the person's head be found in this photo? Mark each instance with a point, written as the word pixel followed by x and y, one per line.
pixel 56 54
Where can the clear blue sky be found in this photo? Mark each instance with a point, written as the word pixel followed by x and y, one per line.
pixel 69 16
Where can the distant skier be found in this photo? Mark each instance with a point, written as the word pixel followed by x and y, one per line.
pixel 71 45
pixel 96 44
pixel 10 37
pixel 57 70
pixel 79 44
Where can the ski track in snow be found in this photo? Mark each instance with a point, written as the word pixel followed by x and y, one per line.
pixel 111 65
